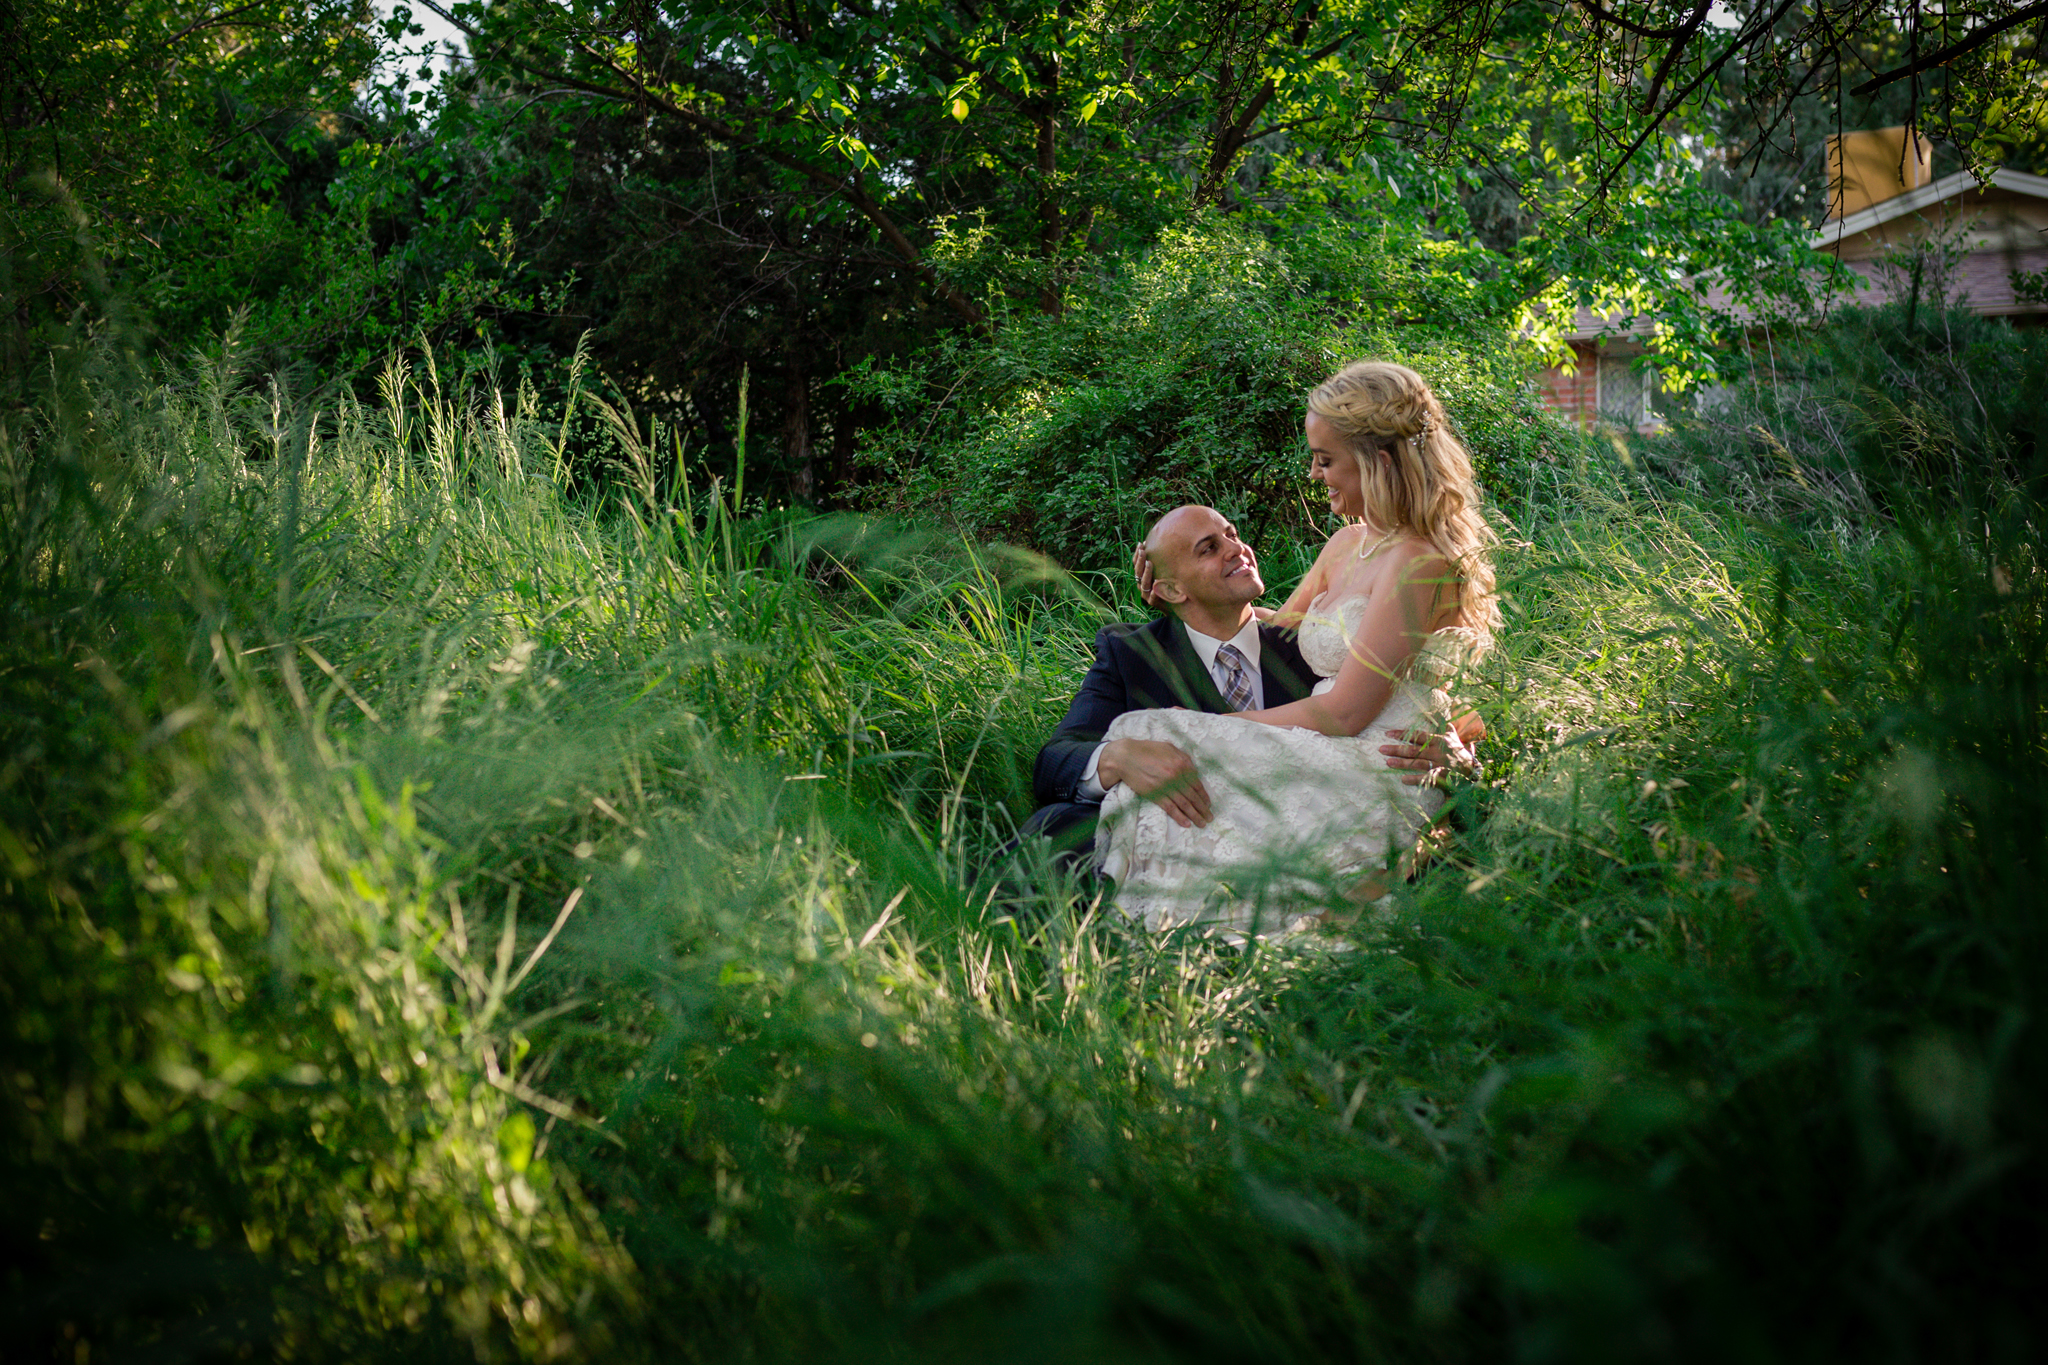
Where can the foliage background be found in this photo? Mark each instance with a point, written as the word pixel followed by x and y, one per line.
pixel 789 195
pixel 1182 380
pixel 492 870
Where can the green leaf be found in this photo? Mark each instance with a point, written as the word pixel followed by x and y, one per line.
pixel 515 1140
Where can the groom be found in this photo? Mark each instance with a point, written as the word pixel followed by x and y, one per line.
pixel 1212 654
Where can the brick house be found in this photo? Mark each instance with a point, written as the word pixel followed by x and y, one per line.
pixel 1993 231
pixel 1603 383
pixel 1881 198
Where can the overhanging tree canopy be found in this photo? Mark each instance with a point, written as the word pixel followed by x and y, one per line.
pixel 1054 119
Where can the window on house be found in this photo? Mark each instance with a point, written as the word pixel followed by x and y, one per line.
pixel 1624 391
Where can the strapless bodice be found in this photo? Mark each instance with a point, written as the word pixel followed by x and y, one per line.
pixel 1328 627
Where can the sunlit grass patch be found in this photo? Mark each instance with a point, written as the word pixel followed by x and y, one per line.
pixel 485 916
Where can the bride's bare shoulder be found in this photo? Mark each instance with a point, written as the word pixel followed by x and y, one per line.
pixel 1415 568
pixel 1411 554
pixel 1290 612
pixel 1345 538
pixel 1339 550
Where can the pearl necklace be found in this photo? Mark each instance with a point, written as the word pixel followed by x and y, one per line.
pixel 1377 545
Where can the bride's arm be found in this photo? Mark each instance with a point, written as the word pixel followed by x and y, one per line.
pixel 1402 611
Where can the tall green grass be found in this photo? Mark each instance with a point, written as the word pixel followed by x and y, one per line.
pixel 455 914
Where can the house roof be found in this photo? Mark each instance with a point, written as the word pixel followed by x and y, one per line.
pixel 1994 294
pixel 1912 201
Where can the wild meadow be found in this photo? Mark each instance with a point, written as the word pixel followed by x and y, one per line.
pixel 476 888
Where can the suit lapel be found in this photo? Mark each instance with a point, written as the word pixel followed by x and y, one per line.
pixel 1282 669
pixel 1181 679
pixel 1203 686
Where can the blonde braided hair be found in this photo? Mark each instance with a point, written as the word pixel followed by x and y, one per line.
pixel 1427 487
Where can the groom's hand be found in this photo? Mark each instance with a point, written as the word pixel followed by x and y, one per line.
pixel 1160 773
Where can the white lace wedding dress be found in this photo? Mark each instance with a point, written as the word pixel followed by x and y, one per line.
pixel 1297 816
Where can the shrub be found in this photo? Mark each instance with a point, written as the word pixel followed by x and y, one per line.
pixel 1181 378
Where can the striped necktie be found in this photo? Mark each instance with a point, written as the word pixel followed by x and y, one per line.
pixel 1236 679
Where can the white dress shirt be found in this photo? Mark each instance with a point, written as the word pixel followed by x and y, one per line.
pixel 1247 642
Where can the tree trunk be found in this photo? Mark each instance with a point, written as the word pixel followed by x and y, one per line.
pixel 1226 139
pixel 1232 128
pixel 843 432
pixel 796 424
pixel 1048 191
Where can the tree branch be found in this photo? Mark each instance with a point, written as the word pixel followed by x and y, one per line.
pixel 1608 16
pixel 1943 56
pixel 210 21
pixel 1742 39
pixel 847 187
pixel 1684 36
pixel 1231 137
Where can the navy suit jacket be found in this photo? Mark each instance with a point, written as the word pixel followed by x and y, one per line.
pixel 1155 664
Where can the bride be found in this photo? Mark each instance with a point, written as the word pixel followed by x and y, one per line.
pixel 1305 813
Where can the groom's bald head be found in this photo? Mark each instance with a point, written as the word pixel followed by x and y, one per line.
pixel 1163 537
pixel 1199 564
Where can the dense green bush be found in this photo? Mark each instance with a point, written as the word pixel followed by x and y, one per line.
pixel 1181 379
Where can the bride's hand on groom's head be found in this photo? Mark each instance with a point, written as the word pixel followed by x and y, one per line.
pixel 1141 569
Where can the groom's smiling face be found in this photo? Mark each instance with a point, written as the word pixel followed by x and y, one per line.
pixel 1197 557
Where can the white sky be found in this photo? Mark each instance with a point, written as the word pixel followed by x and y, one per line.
pixel 438 31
